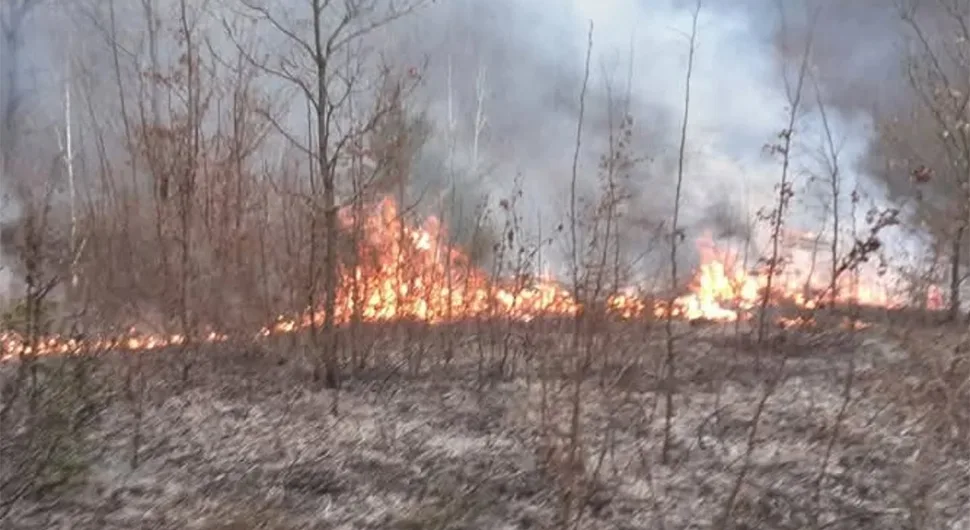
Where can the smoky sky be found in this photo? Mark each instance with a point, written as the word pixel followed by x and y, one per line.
pixel 533 52
pixel 522 60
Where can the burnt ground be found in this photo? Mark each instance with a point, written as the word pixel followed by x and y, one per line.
pixel 855 431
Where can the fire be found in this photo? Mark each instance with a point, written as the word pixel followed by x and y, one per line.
pixel 723 290
pixel 720 290
pixel 12 344
pixel 399 272
pixel 404 272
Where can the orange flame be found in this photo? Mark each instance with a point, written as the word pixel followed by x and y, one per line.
pixel 722 290
pixel 408 273
pixel 402 272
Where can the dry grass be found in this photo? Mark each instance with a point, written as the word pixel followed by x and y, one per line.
pixel 251 444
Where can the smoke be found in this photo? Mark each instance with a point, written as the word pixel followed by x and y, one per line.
pixel 519 65
pixel 530 55
pixel 35 48
pixel 9 214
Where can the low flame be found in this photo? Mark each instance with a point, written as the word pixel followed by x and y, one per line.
pixel 723 290
pixel 403 272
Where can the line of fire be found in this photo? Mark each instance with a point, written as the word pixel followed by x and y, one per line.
pixel 405 273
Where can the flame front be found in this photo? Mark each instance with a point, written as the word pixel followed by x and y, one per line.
pixel 401 272
pixel 720 290
pixel 723 290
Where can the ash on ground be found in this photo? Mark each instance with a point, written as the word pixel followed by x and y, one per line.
pixel 831 430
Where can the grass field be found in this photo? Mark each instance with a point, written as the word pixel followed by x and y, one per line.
pixel 836 430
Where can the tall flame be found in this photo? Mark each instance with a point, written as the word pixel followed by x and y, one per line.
pixel 402 272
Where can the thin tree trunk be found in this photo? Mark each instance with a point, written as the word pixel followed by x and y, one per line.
pixel 670 369
pixel 322 56
pixel 578 320
pixel 835 183
pixel 186 188
pixel 72 190
pixel 161 177
pixel 956 249
pixel 784 191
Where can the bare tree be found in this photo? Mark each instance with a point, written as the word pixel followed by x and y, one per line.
pixel 777 216
pixel 333 79
pixel 938 71
pixel 676 235
pixel 830 155
pixel 574 455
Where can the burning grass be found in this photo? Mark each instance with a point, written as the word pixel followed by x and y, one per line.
pixel 401 271
pixel 460 409
pixel 422 442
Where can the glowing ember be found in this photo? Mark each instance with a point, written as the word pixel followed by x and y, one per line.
pixel 796 322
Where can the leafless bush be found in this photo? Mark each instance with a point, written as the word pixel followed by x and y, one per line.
pixel 48 405
pixel 45 445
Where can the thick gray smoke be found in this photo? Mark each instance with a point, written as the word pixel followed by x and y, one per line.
pixel 520 62
pixel 531 54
